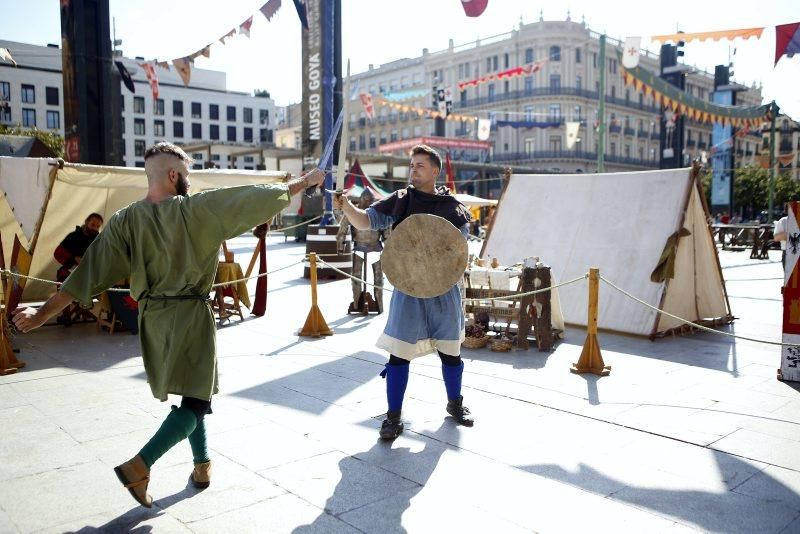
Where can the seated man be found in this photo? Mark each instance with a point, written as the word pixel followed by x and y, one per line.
pixel 72 248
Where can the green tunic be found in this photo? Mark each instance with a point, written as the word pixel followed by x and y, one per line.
pixel 166 249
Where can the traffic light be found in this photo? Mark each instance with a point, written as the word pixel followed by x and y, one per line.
pixel 680 46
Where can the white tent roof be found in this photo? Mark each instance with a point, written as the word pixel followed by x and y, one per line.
pixel 618 223
pixel 53 201
pixel 473 201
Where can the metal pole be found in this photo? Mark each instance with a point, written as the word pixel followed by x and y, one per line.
pixel 774 113
pixel 601 145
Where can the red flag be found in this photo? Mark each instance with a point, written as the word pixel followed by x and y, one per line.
pixel 244 27
pixel 787 40
pixel 150 72
pixel 449 173
pixel 474 8
pixel 369 108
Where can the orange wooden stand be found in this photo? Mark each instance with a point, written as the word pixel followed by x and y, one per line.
pixel 315 323
pixel 591 361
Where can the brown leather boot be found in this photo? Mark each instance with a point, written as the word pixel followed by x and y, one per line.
pixel 201 476
pixel 135 476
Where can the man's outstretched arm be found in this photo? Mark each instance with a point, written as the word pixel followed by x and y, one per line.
pixel 26 319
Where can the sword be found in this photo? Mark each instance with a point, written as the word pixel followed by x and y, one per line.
pixel 327 151
pixel 345 139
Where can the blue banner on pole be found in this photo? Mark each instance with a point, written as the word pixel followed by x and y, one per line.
pixel 722 146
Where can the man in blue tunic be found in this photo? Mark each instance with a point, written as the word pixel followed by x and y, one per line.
pixel 418 326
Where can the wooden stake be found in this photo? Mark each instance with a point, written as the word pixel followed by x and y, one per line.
pixel 591 361
pixel 315 323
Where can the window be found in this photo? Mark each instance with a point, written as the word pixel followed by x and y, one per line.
pixel 213 112
pixel 138 127
pixel 627 151
pixel 177 109
pixel 529 113
pixel 231 133
pixel 263 116
pixel 555 143
pixel 248 135
pixel 577 112
pixel 613 91
pixel 158 106
pixel 594 63
pixel 139 164
pixel 612 66
pixel 138 104
pixel 352 145
pixel 265 135
pixel 406 133
pixel 488 64
pixel 463 98
pixel 393 136
pixel 197 130
pixel 53 122
pixel 577 55
pixel 158 129
pixel 613 149
pixel 578 82
pixel 138 148
pixel 555 112
pixel 529 55
pixel 5 113
pixel 555 53
pixel 51 96
pixel 530 144
pixel 555 82
pixel 372 141
pixel 494 63
pixel 5 91
pixel 627 97
pixel 529 85
pixel 505 87
pixel 196 111
pixel 247 115
pixel 383 138
pixel 213 131
pixel 362 142
pixel 231 111
pixel 28 94
pixel 177 129
pixel 505 60
pixel 491 92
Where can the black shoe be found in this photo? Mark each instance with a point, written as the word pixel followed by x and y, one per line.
pixel 460 412
pixel 392 426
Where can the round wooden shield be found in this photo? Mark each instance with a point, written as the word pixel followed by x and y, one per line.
pixel 425 256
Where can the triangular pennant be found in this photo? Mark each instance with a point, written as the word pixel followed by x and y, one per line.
pixel 126 76
pixel 227 36
pixel 184 67
pixel 244 27
pixel 269 9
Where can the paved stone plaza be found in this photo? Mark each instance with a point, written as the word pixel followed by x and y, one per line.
pixel 686 434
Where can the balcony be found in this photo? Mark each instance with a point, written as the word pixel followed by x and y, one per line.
pixel 642 133
pixel 550 91
pixel 655 136
pixel 629 131
pixel 690 142
pixel 614 128
pixel 531 157
pixel 785 148
pixel 701 145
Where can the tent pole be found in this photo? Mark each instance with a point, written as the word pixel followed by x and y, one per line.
pixel 774 115
pixel 601 145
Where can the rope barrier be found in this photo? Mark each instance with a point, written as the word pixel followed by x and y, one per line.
pixel 506 297
pixel 695 325
pixel 125 290
pixel 298 225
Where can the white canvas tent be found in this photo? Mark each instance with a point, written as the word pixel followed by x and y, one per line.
pixel 620 224
pixel 41 203
pixel 472 201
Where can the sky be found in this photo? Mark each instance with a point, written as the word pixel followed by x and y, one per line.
pixel 380 31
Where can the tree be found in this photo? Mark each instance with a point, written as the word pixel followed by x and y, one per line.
pixel 751 189
pixel 51 138
pixel 262 93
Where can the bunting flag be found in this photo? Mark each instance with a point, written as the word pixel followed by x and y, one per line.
pixel 369 108
pixel 474 8
pixel 787 40
pixel 163 64
pixel 244 27
pixel 300 6
pixel 673 98
pixel 150 72
pixel 503 75
pixel 450 175
pixel 5 54
pixel 422 111
pixel 227 36
pixel 484 129
pixel 126 77
pixel 745 33
pixel 529 124
pixel 572 133
pixel 630 52
pixel 270 8
pixel 184 67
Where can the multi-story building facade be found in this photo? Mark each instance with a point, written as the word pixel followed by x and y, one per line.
pixel 566 88
pixel 203 112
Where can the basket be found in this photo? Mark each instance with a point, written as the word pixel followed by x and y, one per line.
pixel 475 342
pixel 501 344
